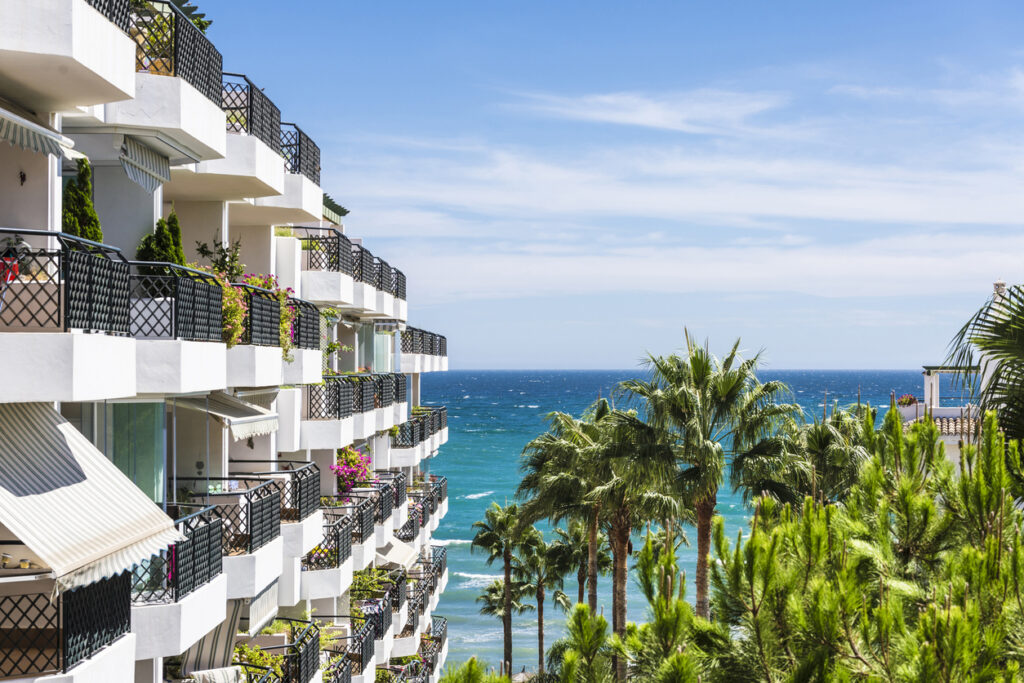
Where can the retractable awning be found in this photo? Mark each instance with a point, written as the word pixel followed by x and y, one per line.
pixel 144 166
pixel 396 552
pixel 217 648
pixel 243 418
pixel 19 131
pixel 68 504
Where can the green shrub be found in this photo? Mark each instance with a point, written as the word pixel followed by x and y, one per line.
pixel 79 216
pixel 163 245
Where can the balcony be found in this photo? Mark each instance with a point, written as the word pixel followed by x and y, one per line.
pixel 177 320
pixel 306 366
pixel 325 266
pixel 382 496
pixel 253 165
pixel 376 609
pixel 83 633
pixel 60 54
pixel 379 289
pixel 408 639
pixel 413 672
pixel 423 351
pixel 409 444
pixel 327 419
pixel 327 568
pixel 434 649
pixel 397 480
pixel 301 200
pixel 178 91
pixel 295 651
pixel 55 287
pixel 250 511
pixel 439 559
pixel 256 361
pixel 439 485
pixel 179 595
pixel 362 510
pixel 356 648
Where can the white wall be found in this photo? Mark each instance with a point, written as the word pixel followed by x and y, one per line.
pixel 257 251
pixel 126 210
pixel 26 206
pixel 200 221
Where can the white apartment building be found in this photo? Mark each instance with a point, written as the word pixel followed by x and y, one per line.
pixel 168 508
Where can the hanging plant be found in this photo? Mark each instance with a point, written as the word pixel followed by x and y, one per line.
pixel 351 465
pixel 286 324
pixel 233 306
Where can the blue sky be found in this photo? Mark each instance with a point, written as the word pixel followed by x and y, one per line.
pixel 569 184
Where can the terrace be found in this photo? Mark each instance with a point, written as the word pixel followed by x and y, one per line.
pixel 295 651
pixel 256 360
pixel 250 510
pixel 253 165
pixel 80 628
pixel 423 351
pixel 179 595
pixel 327 568
pixel 301 200
pixel 363 511
pixel 178 92
pixel 356 649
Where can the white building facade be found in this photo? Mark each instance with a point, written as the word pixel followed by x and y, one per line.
pixel 203 477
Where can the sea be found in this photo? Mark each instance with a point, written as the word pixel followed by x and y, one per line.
pixel 493 414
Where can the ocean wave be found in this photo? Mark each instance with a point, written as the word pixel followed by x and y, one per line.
pixel 532 406
pixel 476 496
pixel 450 541
pixel 477 636
pixel 476 580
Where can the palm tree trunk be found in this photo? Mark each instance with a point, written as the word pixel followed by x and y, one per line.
pixel 506 617
pixel 705 511
pixel 620 552
pixel 540 629
pixel 592 561
pixel 581 582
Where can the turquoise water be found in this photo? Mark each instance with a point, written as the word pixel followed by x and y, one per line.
pixel 493 414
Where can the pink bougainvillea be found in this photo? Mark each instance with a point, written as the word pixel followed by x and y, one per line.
pixel 351 466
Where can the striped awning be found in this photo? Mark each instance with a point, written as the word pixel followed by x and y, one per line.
pixel 397 553
pixel 69 504
pixel 23 133
pixel 243 418
pixel 144 166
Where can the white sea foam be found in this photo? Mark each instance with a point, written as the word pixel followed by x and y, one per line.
pixel 466 396
pixel 532 406
pixel 476 580
pixel 450 541
pixel 475 636
pixel 476 496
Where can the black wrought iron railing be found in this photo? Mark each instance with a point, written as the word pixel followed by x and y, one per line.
pixel 301 654
pixel 325 249
pixel 439 557
pixel 383 494
pixel 361 509
pixel 249 508
pixel 338 669
pixel 364 397
pixel 422 499
pixel 336 546
pixel 399 285
pixel 430 652
pixel 410 434
pixel 398 484
pixel 412 622
pixel 385 276
pixel 250 111
pixel 169 44
pixel 399 581
pixel 52 282
pixel 415 340
pixel 363 265
pixel 263 317
pixel 332 400
pixel 301 154
pixel 439 630
pixel 401 387
pixel 306 326
pixel 440 485
pixel 41 635
pixel 411 529
pixel 257 674
pixel 169 301
pixel 377 611
pixel 185 566
pixel 357 648
pixel 298 482
pixel 117 11
pixel 384 390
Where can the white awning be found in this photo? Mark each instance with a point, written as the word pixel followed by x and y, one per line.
pixel 144 166
pixel 397 553
pixel 19 131
pixel 243 418
pixel 70 505
pixel 217 648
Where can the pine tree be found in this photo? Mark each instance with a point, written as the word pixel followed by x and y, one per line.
pixel 79 216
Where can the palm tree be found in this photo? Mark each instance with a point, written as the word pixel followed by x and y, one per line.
pixel 537 567
pixel 500 535
pixel 560 468
pixel 572 552
pixel 711 410
pixel 585 651
pixel 988 355
pixel 503 599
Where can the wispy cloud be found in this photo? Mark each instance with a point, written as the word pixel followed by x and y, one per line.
pixel 702 112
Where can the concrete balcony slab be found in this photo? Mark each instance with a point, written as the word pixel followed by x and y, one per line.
pixel 249 574
pixel 67 366
pixel 249 169
pixel 255 366
pixel 168 630
pixel 173 366
pixel 306 367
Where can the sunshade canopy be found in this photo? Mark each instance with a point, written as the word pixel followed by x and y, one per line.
pixel 68 504
pixel 243 418
pixel 144 166
pixel 23 133
pixel 396 552
pixel 217 648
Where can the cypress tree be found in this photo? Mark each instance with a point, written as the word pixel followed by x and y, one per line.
pixel 79 215
pixel 163 245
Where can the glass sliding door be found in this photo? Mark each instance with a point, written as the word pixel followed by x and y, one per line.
pixel 136 442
